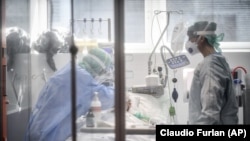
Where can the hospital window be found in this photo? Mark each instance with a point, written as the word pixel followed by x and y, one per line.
pixel 88 9
pixel 18 14
pixel 231 16
pixel 142 31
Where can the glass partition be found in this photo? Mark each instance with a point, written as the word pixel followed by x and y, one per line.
pixel 18 67
pixel 39 87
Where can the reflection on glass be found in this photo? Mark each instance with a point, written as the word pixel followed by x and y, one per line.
pixel 39 70
pixel 17 81
pixel 52 111
pixel 17 42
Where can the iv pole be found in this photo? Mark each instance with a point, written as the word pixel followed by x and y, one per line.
pixel 165 29
pixel 73 51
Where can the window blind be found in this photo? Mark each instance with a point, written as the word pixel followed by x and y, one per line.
pixel 232 16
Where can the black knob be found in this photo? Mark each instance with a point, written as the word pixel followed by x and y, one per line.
pixel 174 80
pixel 159 68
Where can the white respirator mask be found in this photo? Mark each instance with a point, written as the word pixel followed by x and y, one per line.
pixel 192 48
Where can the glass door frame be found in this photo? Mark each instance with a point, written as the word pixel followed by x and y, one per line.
pixel 3 116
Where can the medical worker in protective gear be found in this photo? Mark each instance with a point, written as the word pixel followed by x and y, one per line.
pixel 212 97
pixel 51 117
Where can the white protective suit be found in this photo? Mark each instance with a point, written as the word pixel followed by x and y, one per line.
pixel 212 95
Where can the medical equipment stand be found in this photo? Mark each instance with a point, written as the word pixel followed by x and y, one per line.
pixel 163 32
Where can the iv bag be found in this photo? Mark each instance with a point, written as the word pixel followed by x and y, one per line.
pixel 178 37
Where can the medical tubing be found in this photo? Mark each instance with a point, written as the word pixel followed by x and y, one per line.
pixel 165 29
pixel 152 29
pixel 166 68
pixel 165 65
pixel 152 34
pixel 171 104
pixel 159 27
pixel 239 67
pixel 156 12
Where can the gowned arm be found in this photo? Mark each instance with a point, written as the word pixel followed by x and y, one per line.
pixel 211 100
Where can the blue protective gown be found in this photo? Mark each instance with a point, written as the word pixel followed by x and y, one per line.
pixel 51 117
pixel 212 95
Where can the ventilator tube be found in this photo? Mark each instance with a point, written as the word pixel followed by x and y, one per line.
pixel 96 107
